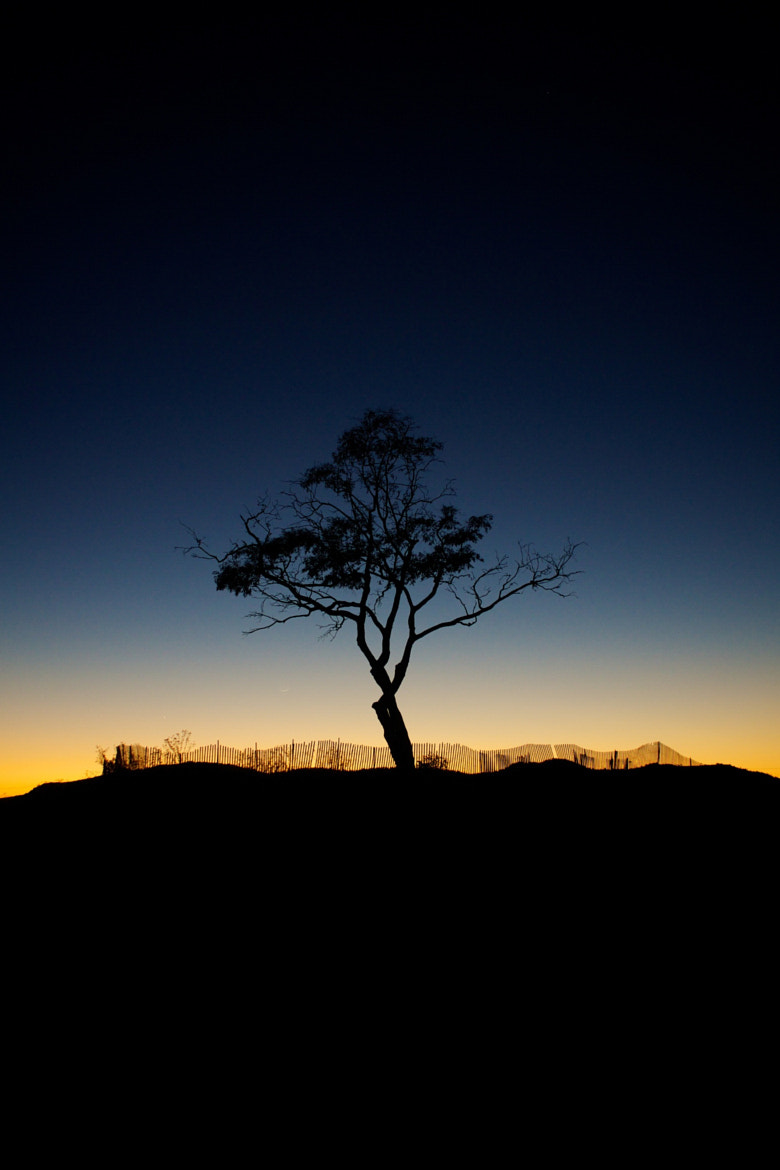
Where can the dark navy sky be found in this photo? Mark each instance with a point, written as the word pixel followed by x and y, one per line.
pixel 557 249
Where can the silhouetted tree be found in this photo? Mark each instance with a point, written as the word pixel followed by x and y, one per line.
pixel 364 541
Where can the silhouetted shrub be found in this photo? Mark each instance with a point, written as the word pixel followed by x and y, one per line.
pixel 433 763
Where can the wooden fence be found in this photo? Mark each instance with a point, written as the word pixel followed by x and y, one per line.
pixel 349 757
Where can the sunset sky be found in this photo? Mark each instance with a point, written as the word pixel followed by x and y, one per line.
pixel 557 250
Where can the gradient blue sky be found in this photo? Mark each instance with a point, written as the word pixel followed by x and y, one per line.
pixel 557 251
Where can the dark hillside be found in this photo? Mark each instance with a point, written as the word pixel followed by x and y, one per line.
pixel 526 809
pixel 215 789
pixel 547 905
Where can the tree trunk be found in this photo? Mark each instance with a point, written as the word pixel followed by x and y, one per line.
pixel 394 728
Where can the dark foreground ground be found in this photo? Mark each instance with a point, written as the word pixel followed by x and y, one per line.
pixel 534 859
pixel 551 812
pixel 574 952
pixel 555 784
pixel 550 845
